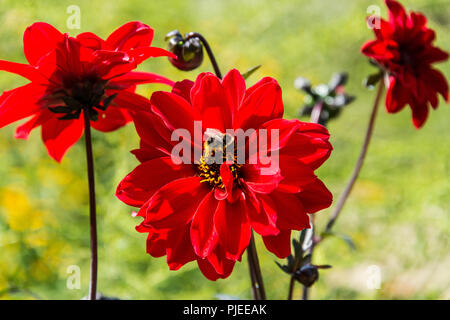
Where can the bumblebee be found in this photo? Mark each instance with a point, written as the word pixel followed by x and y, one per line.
pixel 218 147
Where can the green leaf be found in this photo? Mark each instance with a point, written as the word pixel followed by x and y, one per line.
pixel 302 236
pixel 70 116
pixel 291 262
pixel 284 268
pixel 372 80
pixel 306 258
pixel 60 109
pixel 108 100
pixel 348 240
pixel 72 103
pixel 297 246
pixel 250 72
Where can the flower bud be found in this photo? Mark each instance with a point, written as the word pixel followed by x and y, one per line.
pixel 307 275
pixel 332 97
pixel 338 79
pixel 189 52
pixel 303 84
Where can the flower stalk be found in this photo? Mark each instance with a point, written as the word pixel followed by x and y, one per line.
pixel 316 111
pixel 208 50
pixel 92 207
pixel 315 117
pixel 360 161
pixel 292 281
pixel 258 290
pixel 353 178
pixel 253 262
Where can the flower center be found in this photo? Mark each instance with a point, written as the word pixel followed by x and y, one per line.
pixel 218 149
pixel 407 58
pixel 84 94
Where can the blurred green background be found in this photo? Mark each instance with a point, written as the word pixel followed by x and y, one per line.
pixel 398 214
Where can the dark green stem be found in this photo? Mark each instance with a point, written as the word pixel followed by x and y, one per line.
pixel 92 206
pixel 360 161
pixel 258 290
pixel 354 177
pixel 208 50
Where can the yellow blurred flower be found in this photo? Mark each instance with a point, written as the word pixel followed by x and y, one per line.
pixel 20 215
pixel 54 175
pixel 368 191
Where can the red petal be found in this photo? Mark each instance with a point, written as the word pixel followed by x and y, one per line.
pixel 211 103
pixel 39 39
pixel 143 227
pixel 196 85
pixel 176 112
pixel 70 57
pixel 261 178
pixel 131 79
pixel 233 227
pixel 210 265
pixel 433 55
pixel 380 50
pixel 385 31
pixel 153 132
pixel 129 36
pixel 234 85
pixel 309 149
pixel 280 245
pixel 143 53
pixel 216 266
pixel 315 197
pixel 175 203
pixel 397 96
pixel 147 178
pixel 111 119
pixel 417 20
pixel 397 14
pixel 290 212
pixel 306 141
pixel 262 103
pixel 157 244
pixel 131 101
pixel 179 248
pixel 144 154
pixel 436 81
pixel 110 64
pixel 60 135
pixel 203 234
pixel 262 218
pixel 207 269
pixel 23 131
pixel 231 193
pixel 314 130
pixel 419 114
pixel 296 175
pixel 266 140
pixel 20 103
pixel 23 70
pixel 183 89
pixel 49 67
pixel 90 40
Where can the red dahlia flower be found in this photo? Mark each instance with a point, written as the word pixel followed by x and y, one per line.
pixel 404 48
pixel 68 74
pixel 205 211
